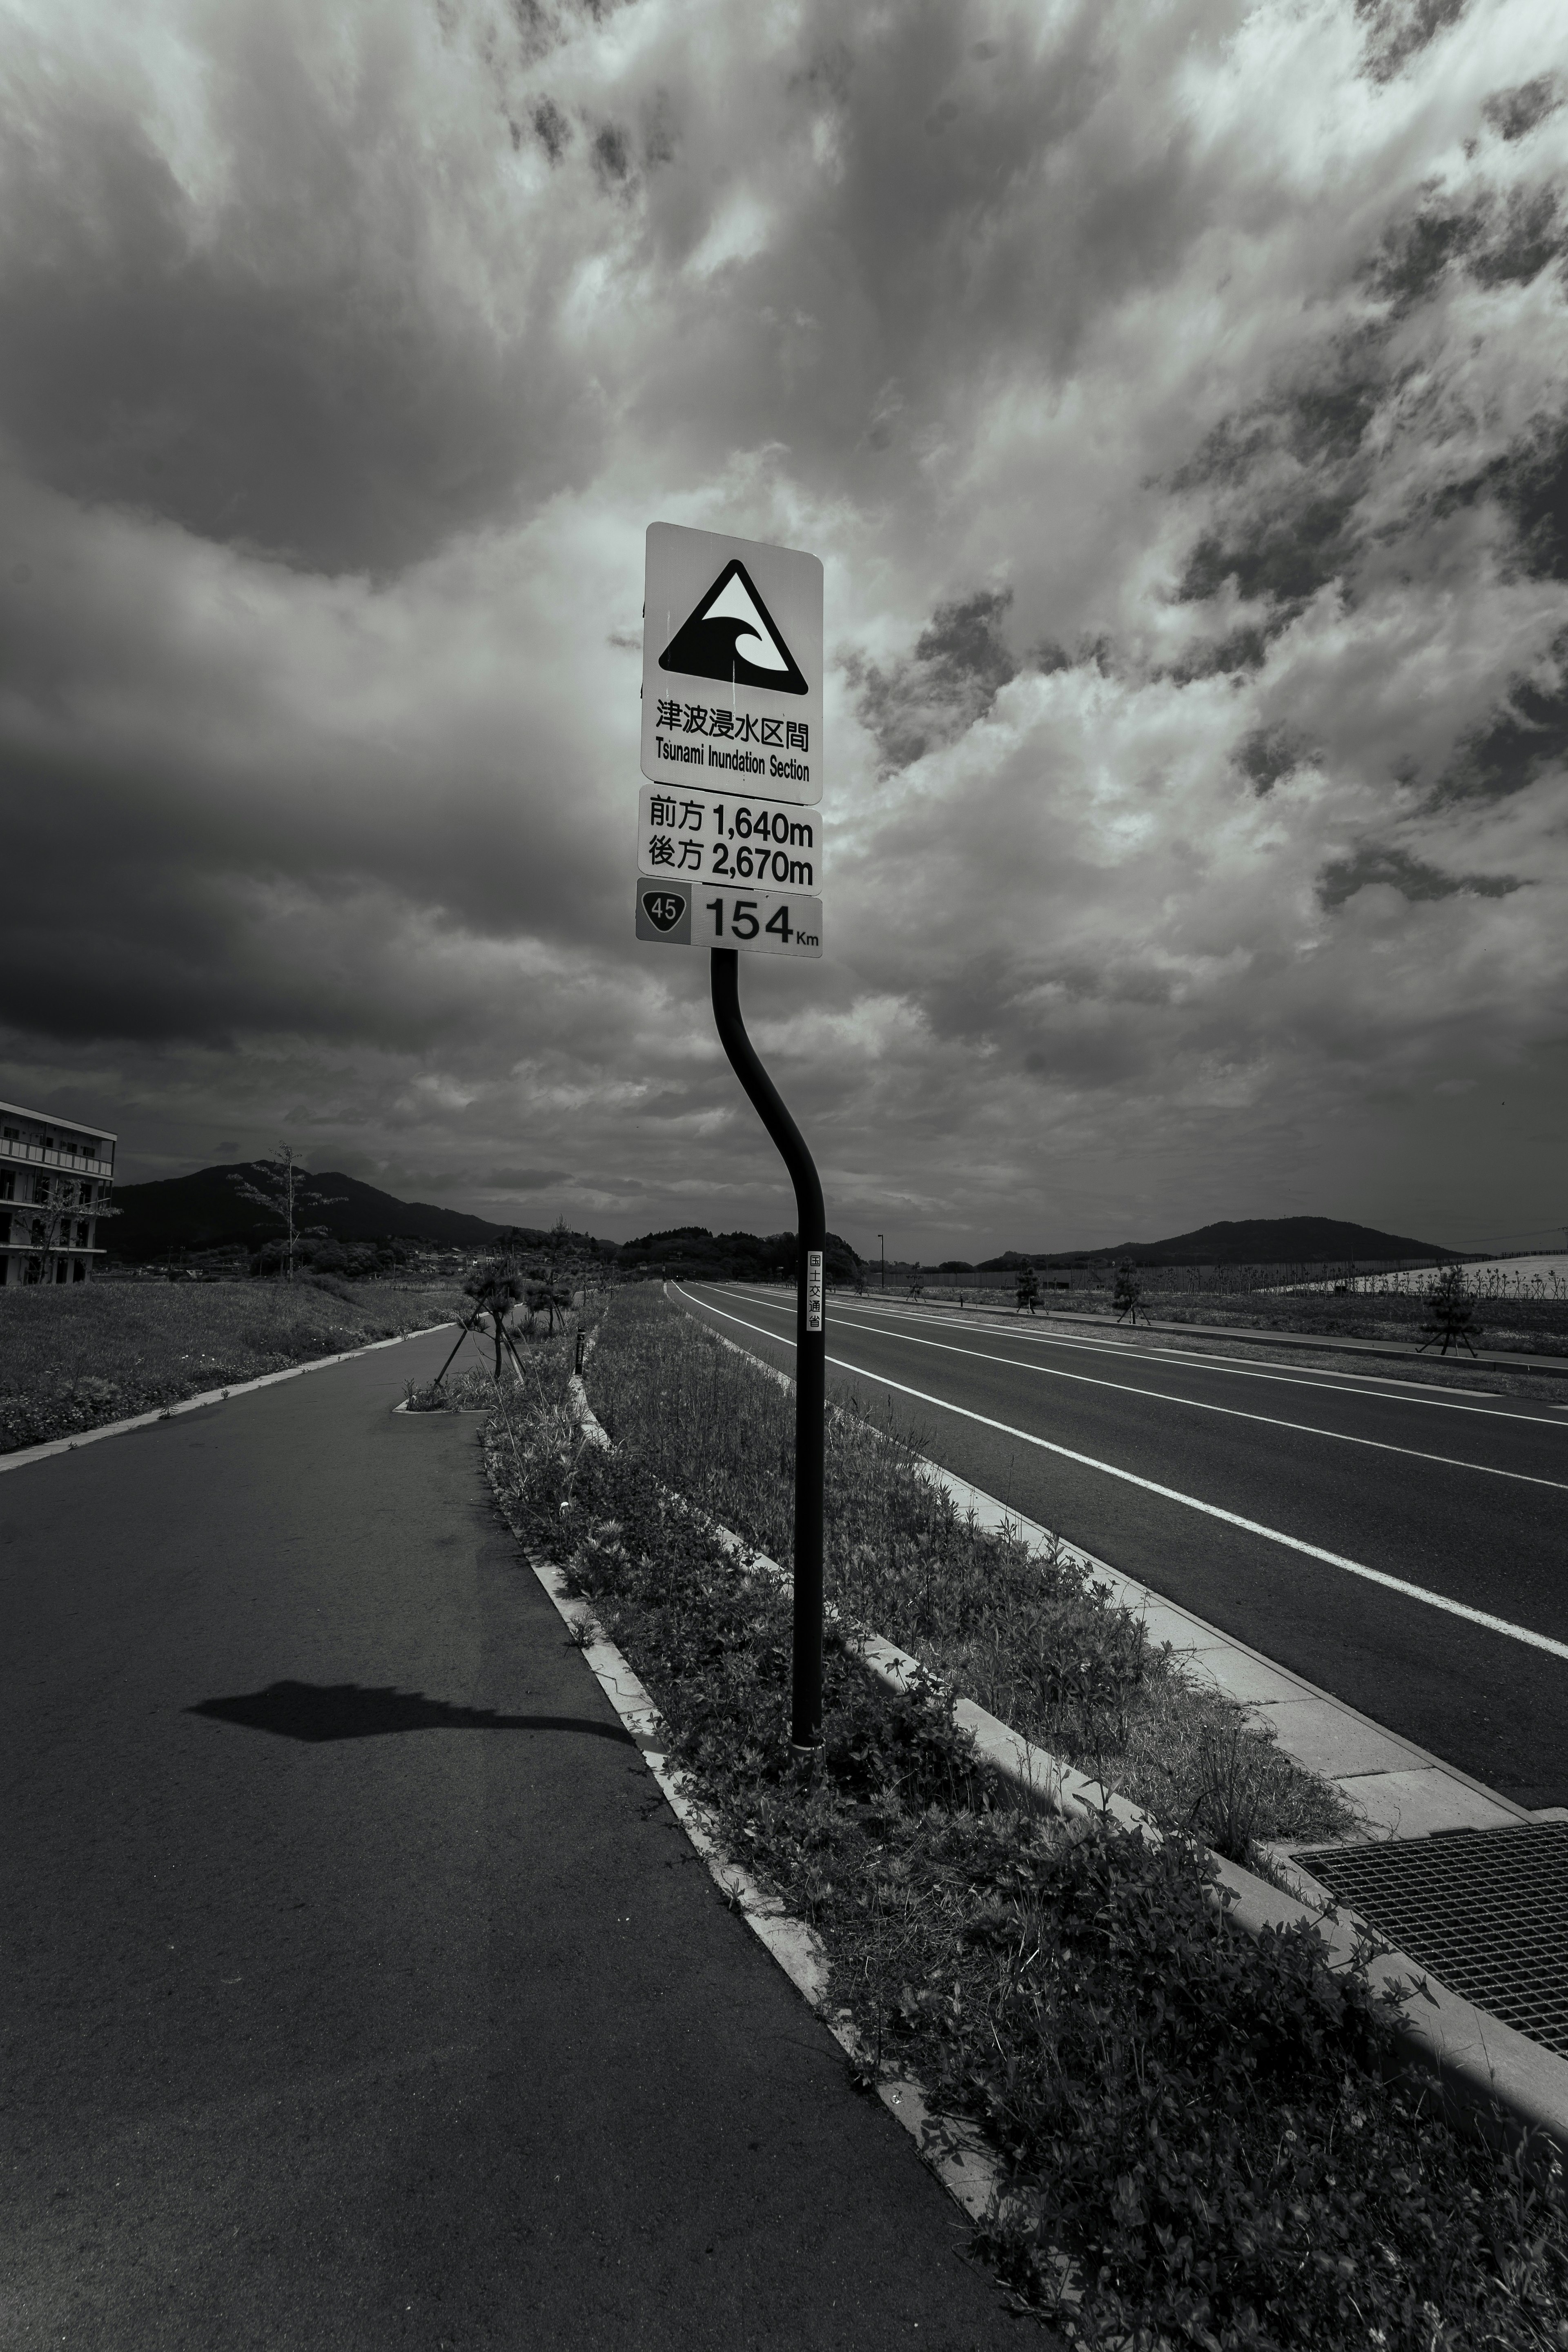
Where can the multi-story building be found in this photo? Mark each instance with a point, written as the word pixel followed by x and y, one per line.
pixel 55 1182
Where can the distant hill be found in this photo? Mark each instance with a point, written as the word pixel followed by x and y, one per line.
pixel 1264 1241
pixel 206 1210
pixel 693 1251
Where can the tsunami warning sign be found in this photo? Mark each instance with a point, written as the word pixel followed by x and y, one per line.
pixel 732 664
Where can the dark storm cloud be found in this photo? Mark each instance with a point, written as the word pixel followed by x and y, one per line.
pixel 1525 739
pixel 961 662
pixel 1411 876
pixel 1398 30
pixel 304 358
pixel 1513 113
pixel 1187 467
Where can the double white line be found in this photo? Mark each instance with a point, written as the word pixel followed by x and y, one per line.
pixel 1192 1502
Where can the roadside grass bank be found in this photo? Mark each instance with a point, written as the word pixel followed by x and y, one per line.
pixel 71 1359
pixel 1246 1344
pixel 1505 1323
pixel 1203 2123
pixel 1026 1633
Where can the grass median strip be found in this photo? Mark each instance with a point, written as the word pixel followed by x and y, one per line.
pixel 1201 2121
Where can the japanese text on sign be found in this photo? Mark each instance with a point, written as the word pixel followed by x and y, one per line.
pixel 727 840
pixel 814 1290
pixel 735 731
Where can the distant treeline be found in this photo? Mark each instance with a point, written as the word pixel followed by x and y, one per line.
pixel 694 1251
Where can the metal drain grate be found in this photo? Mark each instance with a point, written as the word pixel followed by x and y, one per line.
pixel 1487 1910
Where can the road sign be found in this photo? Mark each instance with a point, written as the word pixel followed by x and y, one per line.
pixel 731 665
pixel 758 922
pixel 701 836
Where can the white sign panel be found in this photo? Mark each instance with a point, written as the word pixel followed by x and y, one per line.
pixel 703 837
pixel 758 922
pixel 731 665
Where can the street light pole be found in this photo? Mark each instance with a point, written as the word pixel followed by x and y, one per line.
pixel 810 1344
pixel 882 1240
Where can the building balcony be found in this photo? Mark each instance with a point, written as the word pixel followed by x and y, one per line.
pixel 74 1163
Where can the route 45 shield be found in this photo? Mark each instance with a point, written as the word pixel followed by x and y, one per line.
pixel 706 915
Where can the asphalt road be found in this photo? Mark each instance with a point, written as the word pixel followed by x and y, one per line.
pixel 357 1987
pixel 1465 1498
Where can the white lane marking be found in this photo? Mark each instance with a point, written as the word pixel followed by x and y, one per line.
pixel 1190 1502
pixel 1201 1404
pixel 1290 1376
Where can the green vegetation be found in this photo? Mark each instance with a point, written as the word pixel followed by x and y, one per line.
pixel 1516 1317
pixel 471 1389
pixel 1029 1635
pixel 73 1358
pixel 1199 2124
pixel 1519 1313
pixel 698 1256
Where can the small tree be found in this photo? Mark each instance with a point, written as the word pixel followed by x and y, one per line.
pixel 555 1269
pixel 495 1288
pixel 1453 1315
pixel 1128 1294
pixel 1027 1289
pixel 282 1187
pixel 917 1281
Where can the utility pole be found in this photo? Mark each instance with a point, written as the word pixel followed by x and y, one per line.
pixel 882 1240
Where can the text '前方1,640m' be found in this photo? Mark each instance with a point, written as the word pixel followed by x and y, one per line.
pixel 712 837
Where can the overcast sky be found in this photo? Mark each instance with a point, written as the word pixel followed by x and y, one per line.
pixel 1175 391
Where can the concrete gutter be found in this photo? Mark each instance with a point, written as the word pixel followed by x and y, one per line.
pixel 1482 2074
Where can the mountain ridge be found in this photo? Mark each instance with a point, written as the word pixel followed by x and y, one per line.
pixel 205 1210
pixel 1266 1241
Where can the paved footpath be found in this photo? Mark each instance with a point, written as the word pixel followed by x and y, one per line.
pixel 357 1987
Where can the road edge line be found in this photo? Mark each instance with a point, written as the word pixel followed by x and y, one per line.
pixel 1484 2072
pixel 1438 1600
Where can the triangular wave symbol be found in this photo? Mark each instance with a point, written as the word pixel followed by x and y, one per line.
pixel 730 634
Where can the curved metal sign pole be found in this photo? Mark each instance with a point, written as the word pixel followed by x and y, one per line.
pixel 810 1344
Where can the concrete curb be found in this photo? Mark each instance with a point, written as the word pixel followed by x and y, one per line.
pixel 45 1453
pixel 952 2150
pixel 1395 1786
pixel 1483 2074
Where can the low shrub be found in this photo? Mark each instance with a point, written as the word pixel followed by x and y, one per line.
pixel 472 1389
